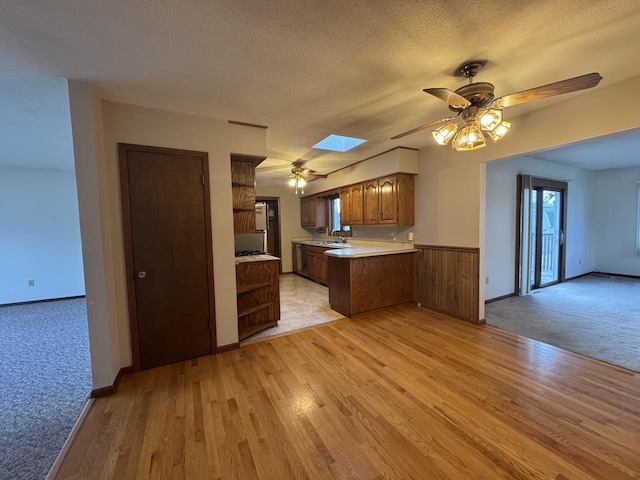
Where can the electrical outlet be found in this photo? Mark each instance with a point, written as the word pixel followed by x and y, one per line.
pixel 410 236
pixel 32 283
pixel 486 280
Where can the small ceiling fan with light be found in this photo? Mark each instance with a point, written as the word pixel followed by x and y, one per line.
pixel 479 112
pixel 300 174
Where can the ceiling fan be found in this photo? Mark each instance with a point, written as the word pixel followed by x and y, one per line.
pixel 300 174
pixel 478 111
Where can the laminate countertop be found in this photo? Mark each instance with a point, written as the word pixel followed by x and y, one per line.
pixel 369 251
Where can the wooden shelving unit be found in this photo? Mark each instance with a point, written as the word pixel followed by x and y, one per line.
pixel 258 296
pixel 243 173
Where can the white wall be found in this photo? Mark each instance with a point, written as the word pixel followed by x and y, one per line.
pixel 40 235
pixel 401 159
pixel 107 355
pixel 289 219
pixel 500 219
pixel 97 129
pixel 144 126
pixel 615 217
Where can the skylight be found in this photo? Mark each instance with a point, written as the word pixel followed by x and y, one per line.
pixel 338 143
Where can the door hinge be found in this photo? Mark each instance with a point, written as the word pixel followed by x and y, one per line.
pixel 202 180
pixel 209 324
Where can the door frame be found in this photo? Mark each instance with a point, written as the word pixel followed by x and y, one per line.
pixel 276 200
pixel 123 150
pixel 541 183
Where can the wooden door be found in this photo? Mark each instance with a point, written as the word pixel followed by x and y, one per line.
pixel 388 198
pixel 370 203
pixel 345 207
pixel 167 234
pixel 356 198
pixel 312 271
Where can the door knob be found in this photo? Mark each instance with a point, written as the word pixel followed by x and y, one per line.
pixel 142 274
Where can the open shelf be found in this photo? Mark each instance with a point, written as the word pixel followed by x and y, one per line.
pixel 248 331
pixel 253 286
pixel 240 184
pixel 255 308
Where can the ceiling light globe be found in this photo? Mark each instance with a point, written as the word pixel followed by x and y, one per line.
pixel 443 134
pixel 500 131
pixel 469 138
pixel 491 119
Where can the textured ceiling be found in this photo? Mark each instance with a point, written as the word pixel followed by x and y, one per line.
pixel 309 68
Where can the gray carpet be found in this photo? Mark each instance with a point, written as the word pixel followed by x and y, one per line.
pixel 45 378
pixel 595 315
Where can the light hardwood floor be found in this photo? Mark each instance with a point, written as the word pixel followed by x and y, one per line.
pixel 402 393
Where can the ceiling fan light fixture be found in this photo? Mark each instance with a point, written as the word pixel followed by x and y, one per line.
pixel 469 138
pixel 490 119
pixel 500 131
pixel 298 182
pixel 443 134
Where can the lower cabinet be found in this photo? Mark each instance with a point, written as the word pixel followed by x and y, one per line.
pixel 317 264
pixel 362 284
pixel 258 290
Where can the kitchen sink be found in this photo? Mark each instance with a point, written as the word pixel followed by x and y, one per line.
pixel 329 242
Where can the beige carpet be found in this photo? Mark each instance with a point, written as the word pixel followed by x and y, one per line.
pixel 597 316
pixel 303 304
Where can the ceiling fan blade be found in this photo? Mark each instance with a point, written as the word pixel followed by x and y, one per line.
pixel 558 88
pixel 422 127
pixel 315 175
pixel 452 98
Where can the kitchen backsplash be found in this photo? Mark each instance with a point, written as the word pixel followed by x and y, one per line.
pixel 380 234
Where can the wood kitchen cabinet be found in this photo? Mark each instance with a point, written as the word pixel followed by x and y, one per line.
pixel 361 284
pixel 258 294
pixel 313 212
pixel 317 264
pixel 389 201
pixel 351 204
pixel 243 192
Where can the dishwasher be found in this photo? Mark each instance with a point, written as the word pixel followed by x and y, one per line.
pixel 301 259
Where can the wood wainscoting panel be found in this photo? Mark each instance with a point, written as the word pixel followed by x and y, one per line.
pixel 447 280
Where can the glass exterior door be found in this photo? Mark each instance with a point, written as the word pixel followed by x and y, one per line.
pixel 547 236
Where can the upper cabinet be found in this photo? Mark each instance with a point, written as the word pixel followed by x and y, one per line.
pixel 313 212
pixel 351 204
pixel 383 201
pixel 389 201
pixel 243 189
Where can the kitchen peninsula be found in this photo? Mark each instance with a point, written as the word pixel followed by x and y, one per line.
pixel 364 276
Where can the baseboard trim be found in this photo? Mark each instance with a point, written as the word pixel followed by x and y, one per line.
pixel 449 314
pixel 502 297
pixel 101 392
pixel 53 471
pixel 609 274
pixel 41 301
pixel 580 276
pixel 227 348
